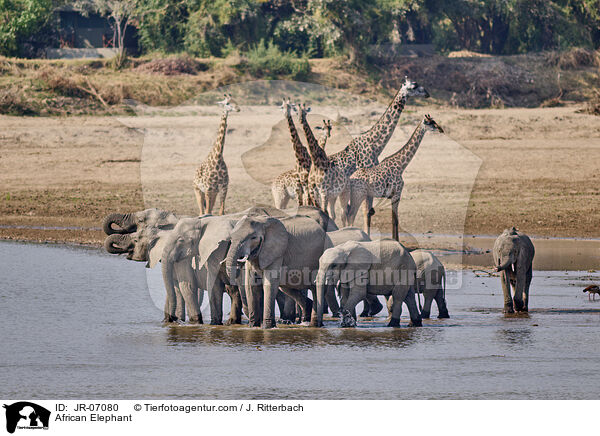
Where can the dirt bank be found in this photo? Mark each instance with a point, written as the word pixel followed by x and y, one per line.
pixel 536 169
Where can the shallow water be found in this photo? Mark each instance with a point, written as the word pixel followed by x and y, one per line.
pixel 78 323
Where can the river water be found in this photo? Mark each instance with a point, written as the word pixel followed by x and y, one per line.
pixel 78 323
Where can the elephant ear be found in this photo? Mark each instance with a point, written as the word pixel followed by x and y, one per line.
pixel 359 261
pixel 213 245
pixel 274 244
pixel 156 246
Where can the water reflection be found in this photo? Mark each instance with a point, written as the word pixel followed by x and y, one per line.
pixel 516 337
pixel 298 337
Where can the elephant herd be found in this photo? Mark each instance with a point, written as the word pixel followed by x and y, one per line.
pixel 264 256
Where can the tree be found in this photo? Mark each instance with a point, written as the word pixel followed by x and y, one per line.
pixel 18 20
pixel 121 13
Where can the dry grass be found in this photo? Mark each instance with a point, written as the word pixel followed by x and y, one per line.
pixel 76 87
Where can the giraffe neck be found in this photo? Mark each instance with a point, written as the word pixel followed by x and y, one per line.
pixel 217 150
pixel 302 156
pixel 323 141
pixel 377 137
pixel 317 154
pixel 403 156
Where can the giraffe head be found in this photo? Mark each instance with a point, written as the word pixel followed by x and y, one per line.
pixel 411 88
pixel 287 107
pixel 229 104
pixel 327 127
pixel 430 124
pixel 303 109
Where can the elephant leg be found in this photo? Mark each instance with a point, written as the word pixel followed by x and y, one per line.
pixel 287 308
pixel 367 206
pixel 528 277
pixel 191 299
pixel 299 300
pixel 441 304
pixel 357 293
pixel 331 301
pixel 235 315
pixel 222 198
pixel 429 296
pixel 519 289
pixel 508 302
pixel 271 280
pixel 179 304
pixel 216 303
pixel 252 299
pixel 365 311
pixel 211 197
pixel 200 199
pixel 411 303
pixel 374 305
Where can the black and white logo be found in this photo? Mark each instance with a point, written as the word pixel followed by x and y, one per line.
pixel 26 415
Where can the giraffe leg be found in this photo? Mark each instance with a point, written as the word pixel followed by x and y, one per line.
pixel 222 197
pixel 367 206
pixel 299 193
pixel 200 198
pixel 331 206
pixel 212 197
pixel 395 203
pixel 344 203
pixel 323 202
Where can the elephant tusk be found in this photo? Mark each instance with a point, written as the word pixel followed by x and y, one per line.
pixel 243 259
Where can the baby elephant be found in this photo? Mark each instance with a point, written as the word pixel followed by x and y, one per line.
pixel 382 267
pixel 431 277
pixel 513 256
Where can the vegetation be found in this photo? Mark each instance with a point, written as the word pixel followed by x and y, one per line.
pixel 324 28
pixel 65 87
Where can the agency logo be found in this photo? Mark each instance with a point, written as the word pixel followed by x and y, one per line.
pixel 26 415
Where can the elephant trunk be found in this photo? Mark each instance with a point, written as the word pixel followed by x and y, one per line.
pixel 118 244
pixel 171 301
pixel 320 300
pixel 231 261
pixel 503 266
pixel 124 222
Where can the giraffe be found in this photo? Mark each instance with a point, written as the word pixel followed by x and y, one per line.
pixel 211 177
pixel 326 133
pixel 293 183
pixel 385 180
pixel 290 184
pixel 326 179
pixel 364 150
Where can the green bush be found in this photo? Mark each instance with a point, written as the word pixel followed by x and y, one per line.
pixel 269 62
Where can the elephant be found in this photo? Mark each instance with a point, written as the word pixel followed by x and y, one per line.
pixel 431 278
pixel 191 257
pixel 513 256
pixel 382 267
pixel 278 252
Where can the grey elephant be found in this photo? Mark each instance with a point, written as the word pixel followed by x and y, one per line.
pixel 278 254
pixel 191 256
pixel 431 278
pixel 377 268
pixel 128 232
pixel 513 256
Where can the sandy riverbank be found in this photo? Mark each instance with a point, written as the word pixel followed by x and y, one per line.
pixel 536 169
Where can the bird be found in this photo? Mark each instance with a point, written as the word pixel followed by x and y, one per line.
pixel 592 289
